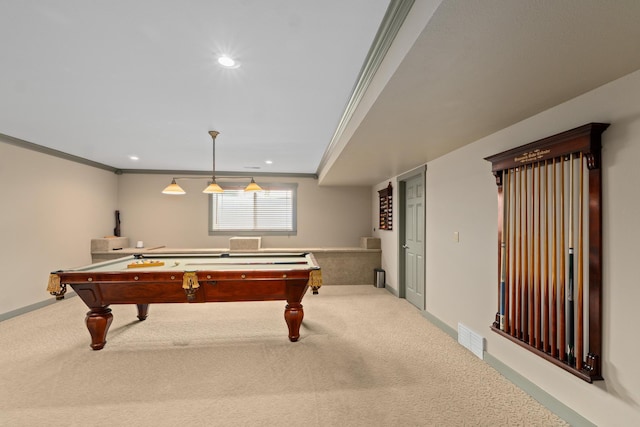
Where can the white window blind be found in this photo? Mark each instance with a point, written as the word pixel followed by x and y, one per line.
pixel 270 210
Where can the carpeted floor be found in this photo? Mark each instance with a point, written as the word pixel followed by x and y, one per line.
pixel 365 358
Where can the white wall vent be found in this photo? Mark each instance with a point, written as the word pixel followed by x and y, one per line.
pixel 472 341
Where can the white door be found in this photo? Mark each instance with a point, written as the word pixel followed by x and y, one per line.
pixel 413 245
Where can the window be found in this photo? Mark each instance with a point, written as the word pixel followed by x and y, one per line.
pixel 268 212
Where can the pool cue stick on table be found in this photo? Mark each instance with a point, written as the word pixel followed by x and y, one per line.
pixel 248 263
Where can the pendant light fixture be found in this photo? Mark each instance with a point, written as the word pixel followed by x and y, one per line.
pixel 213 187
pixel 173 188
pixel 252 186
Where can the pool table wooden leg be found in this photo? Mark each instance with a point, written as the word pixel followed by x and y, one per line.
pixel 98 321
pixel 293 315
pixel 143 311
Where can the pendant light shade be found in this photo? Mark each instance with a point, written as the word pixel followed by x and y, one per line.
pixel 252 186
pixel 174 189
pixel 213 188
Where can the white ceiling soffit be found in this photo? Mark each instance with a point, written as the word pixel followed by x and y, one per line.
pixel 108 80
pixel 478 67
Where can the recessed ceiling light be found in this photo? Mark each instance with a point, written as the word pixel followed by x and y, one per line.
pixel 134 158
pixel 227 61
pixel 269 162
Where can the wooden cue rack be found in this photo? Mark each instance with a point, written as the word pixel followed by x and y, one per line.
pixel 386 208
pixel 550 248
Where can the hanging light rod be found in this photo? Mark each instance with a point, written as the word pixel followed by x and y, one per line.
pixel 213 187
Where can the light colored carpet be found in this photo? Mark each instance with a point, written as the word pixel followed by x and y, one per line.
pixel 365 358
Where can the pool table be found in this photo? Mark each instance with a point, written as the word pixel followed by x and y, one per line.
pixel 189 278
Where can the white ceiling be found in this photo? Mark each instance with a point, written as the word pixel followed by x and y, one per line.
pixel 104 81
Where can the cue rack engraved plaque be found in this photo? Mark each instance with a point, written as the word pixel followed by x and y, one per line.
pixel 550 248
pixel 386 208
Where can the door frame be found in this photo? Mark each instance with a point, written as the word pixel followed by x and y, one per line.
pixel 402 199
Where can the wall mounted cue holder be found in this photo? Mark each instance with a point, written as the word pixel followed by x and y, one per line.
pixel 550 248
pixel 386 208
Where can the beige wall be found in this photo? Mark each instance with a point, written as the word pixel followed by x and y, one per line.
pixel 327 216
pixel 461 278
pixel 53 207
pixel 50 210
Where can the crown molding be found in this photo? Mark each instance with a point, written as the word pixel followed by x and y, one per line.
pixel 391 22
pixel 51 152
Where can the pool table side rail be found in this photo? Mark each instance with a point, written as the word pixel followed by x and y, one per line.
pixel 105 265
pixel 120 287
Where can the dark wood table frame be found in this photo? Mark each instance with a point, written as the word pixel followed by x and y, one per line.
pixel 99 290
